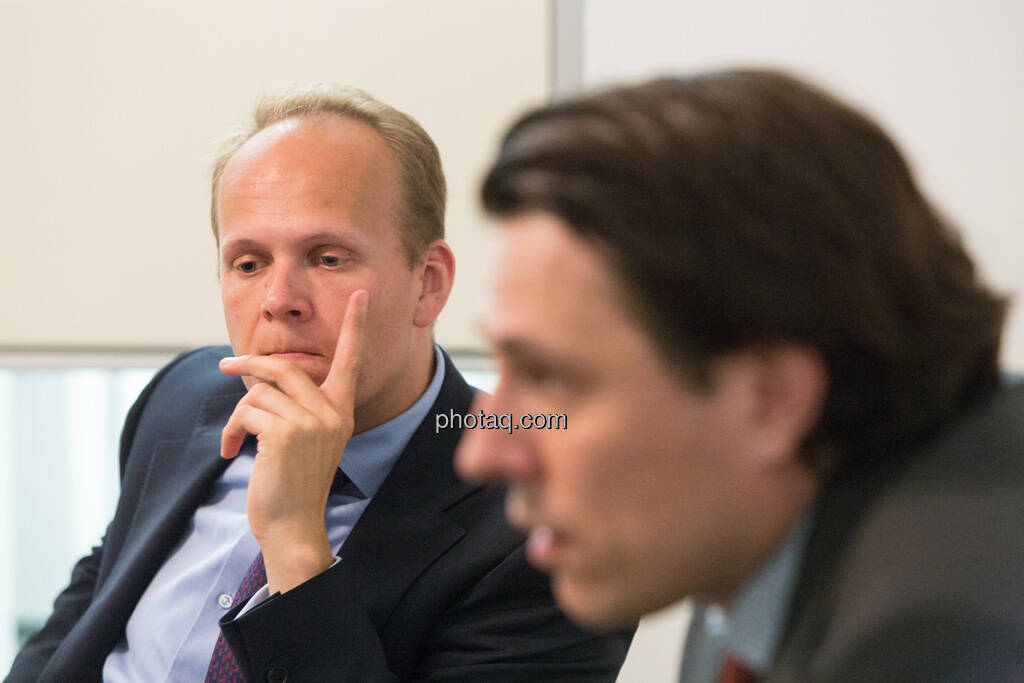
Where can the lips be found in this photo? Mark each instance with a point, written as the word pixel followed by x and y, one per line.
pixel 539 545
pixel 545 547
pixel 544 544
pixel 293 354
pixel 297 351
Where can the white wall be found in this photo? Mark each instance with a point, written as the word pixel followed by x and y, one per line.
pixel 111 111
pixel 944 77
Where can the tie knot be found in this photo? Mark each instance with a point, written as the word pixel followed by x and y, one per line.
pixel 340 479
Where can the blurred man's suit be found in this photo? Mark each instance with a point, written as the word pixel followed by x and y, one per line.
pixel 867 609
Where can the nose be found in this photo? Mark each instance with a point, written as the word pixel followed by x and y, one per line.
pixel 287 295
pixel 487 455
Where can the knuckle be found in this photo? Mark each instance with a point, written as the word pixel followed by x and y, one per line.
pixel 257 392
pixel 290 430
pixel 296 428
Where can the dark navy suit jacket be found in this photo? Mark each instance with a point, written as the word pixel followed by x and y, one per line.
pixel 432 583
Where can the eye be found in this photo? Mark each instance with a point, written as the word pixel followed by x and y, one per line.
pixel 330 258
pixel 539 375
pixel 247 266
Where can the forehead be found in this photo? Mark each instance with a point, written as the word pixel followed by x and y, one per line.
pixel 325 141
pixel 301 167
pixel 552 283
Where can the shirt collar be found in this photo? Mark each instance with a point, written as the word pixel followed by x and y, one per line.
pixel 752 627
pixel 370 455
pixel 755 621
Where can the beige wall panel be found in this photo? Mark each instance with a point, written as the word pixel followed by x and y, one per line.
pixel 943 76
pixel 110 113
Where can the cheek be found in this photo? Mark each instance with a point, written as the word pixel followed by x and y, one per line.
pixel 238 296
pixel 638 472
pixel 391 309
pixel 584 471
pixel 238 314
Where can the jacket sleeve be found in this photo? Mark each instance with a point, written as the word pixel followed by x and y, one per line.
pixel 311 633
pixel 506 628
pixel 72 602
pixel 67 609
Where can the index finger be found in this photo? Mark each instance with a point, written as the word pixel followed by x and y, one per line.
pixel 340 384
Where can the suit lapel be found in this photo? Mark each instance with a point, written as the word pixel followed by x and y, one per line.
pixel 405 528
pixel 842 505
pixel 847 501
pixel 178 478
pixel 176 482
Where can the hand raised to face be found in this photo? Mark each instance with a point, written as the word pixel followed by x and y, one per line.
pixel 302 430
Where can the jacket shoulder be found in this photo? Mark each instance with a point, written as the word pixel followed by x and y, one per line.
pixel 171 404
pixel 931 563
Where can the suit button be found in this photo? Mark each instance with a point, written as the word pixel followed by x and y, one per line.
pixel 277 675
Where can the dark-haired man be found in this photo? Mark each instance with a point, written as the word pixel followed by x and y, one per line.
pixel 779 372
pixel 336 545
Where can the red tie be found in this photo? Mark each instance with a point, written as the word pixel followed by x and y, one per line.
pixel 223 667
pixel 735 671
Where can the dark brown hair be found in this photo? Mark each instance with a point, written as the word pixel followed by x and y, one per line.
pixel 747 208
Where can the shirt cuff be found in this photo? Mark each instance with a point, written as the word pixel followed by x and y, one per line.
pixel 263 593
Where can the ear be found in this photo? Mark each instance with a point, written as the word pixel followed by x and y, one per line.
pixel 436 278
pixel 789 385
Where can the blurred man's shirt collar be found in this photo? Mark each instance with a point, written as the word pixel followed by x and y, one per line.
pixel 750 631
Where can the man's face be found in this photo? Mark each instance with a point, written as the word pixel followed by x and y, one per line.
pixel 309 213
pixel 635 503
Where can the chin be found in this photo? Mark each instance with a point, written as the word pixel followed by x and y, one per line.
pixel 598 606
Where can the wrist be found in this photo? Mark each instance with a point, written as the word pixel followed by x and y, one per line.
pixel 293 559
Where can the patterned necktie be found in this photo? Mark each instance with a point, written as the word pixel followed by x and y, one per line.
pixel 735 671
pixel 223 666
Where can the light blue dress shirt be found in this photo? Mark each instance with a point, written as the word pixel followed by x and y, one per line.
pixel 750 630
pixel 171 634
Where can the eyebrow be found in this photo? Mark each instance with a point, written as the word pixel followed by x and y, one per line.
pixel 234 245
pixel 521 349
pixel 243 244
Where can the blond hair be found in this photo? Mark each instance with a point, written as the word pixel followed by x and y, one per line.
pixel 419 163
